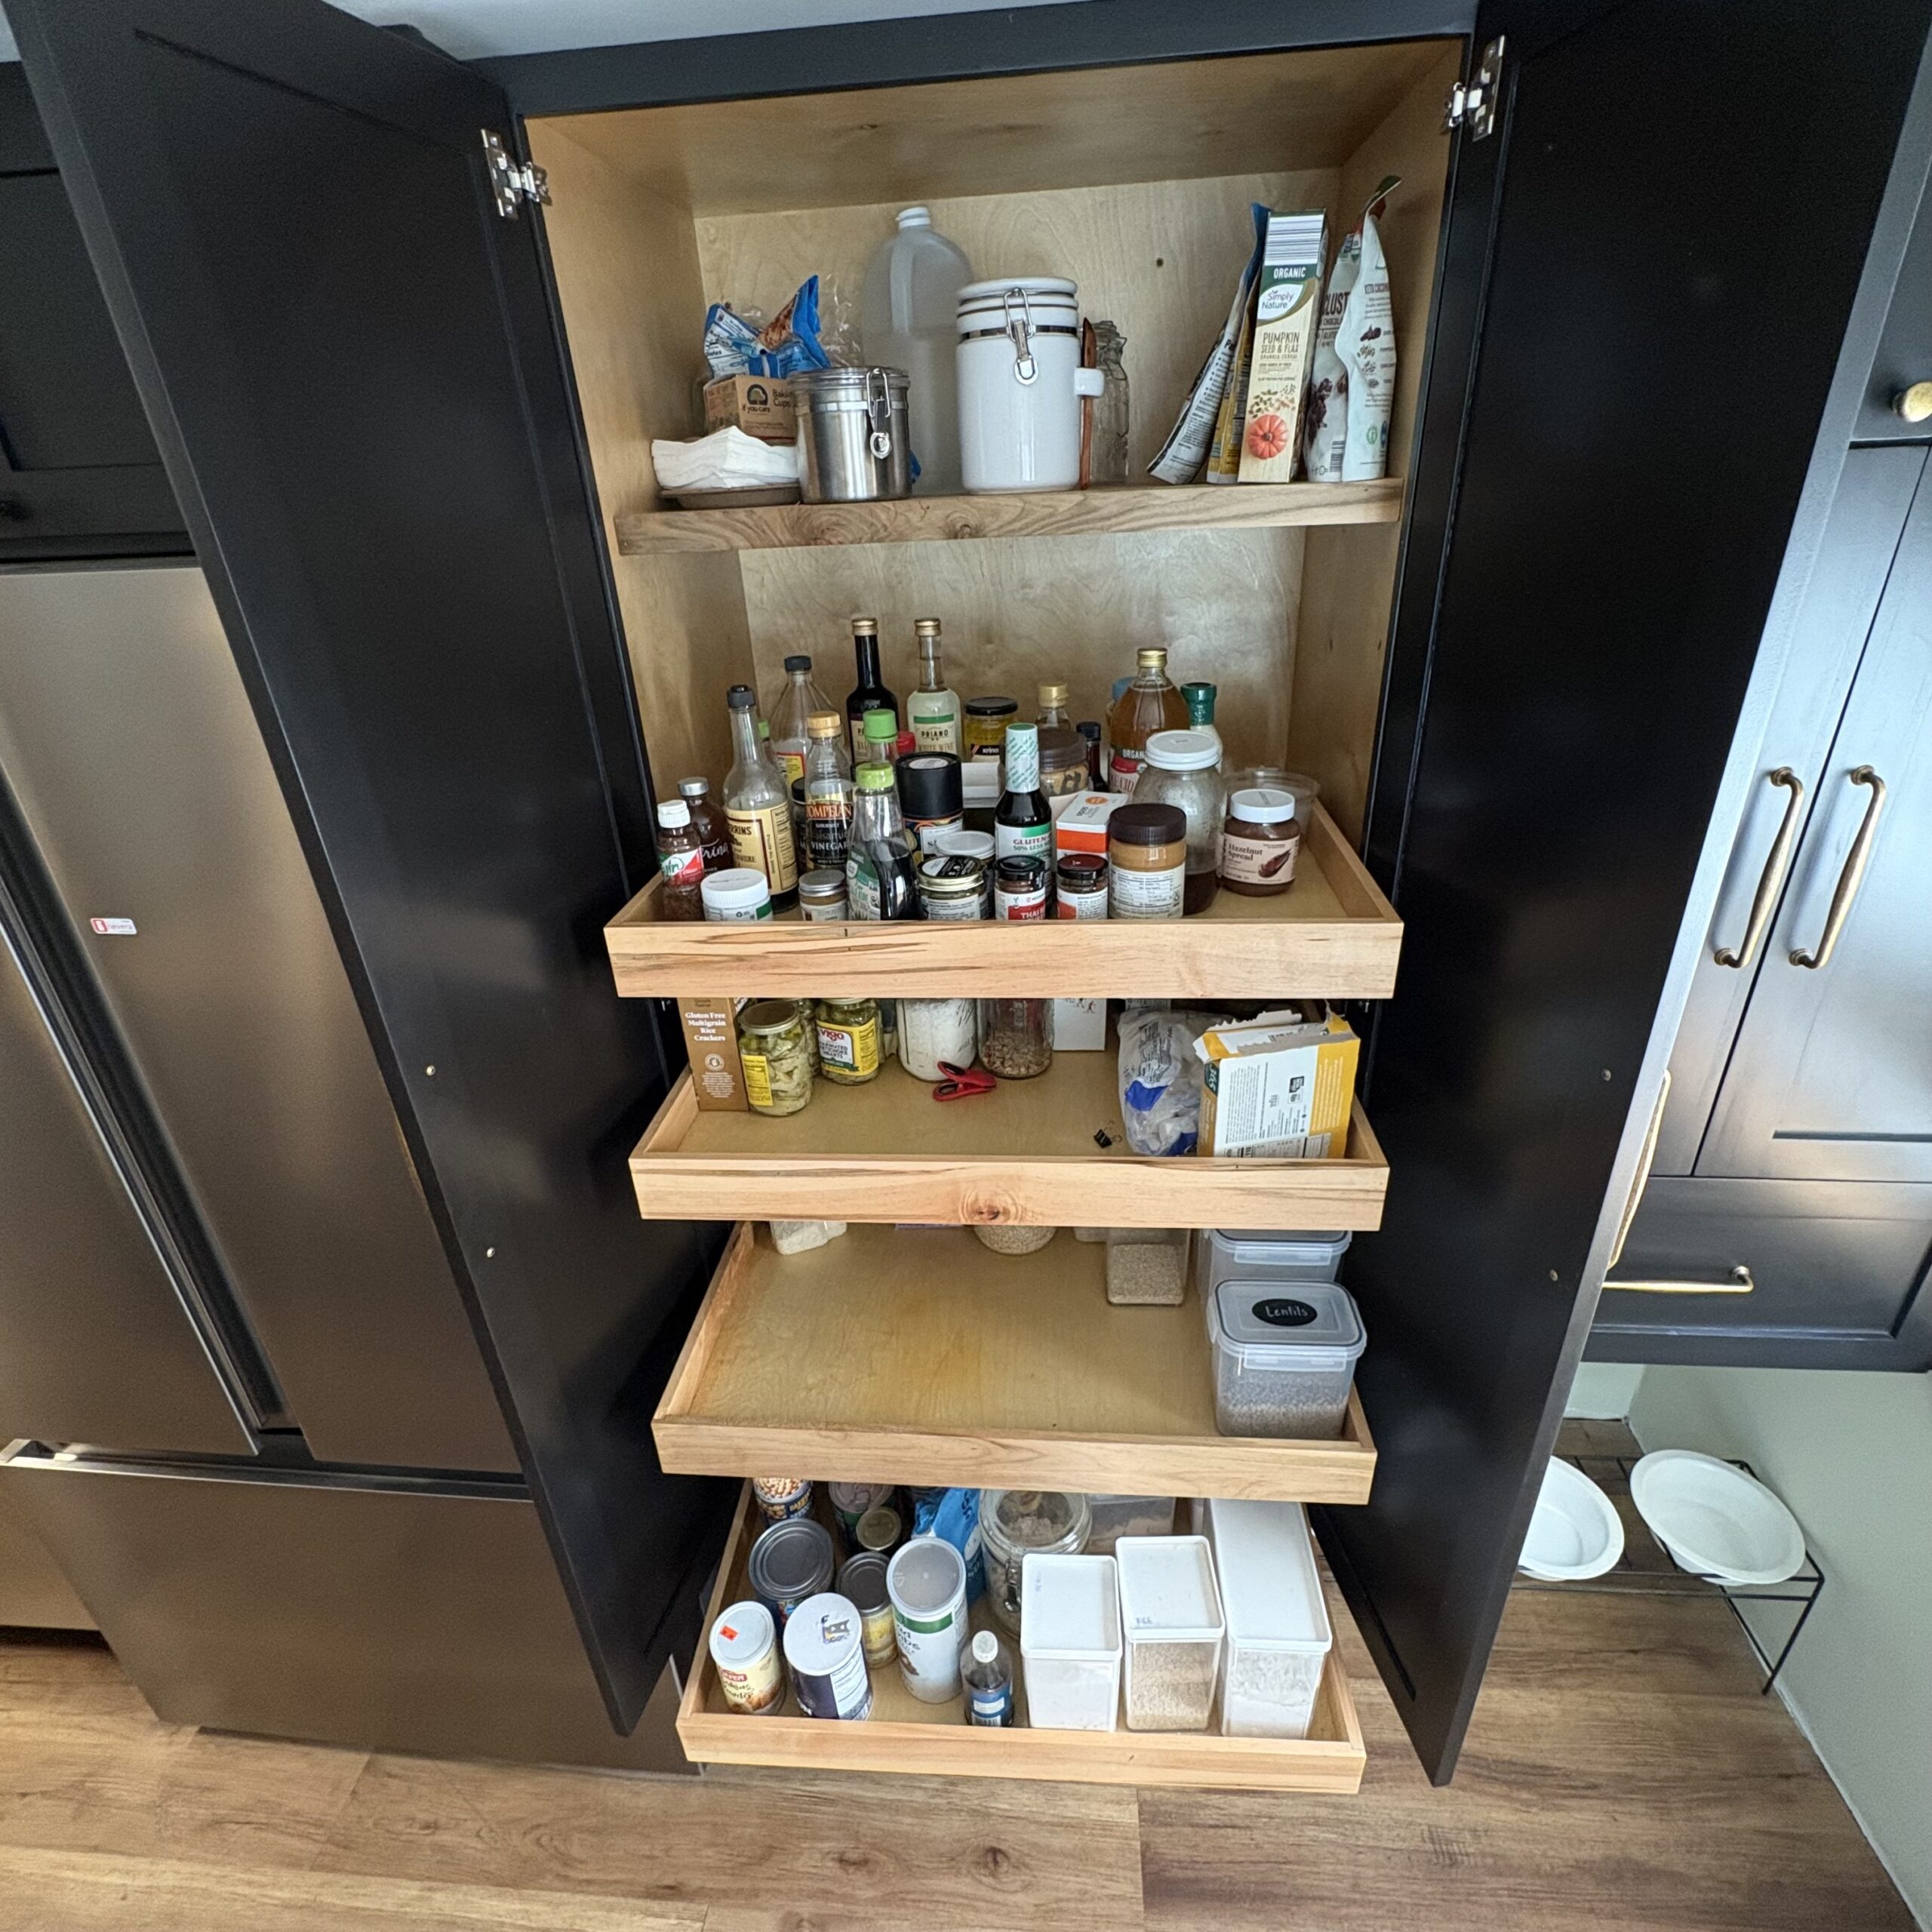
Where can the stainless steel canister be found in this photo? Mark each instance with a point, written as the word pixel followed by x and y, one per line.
pixel 854 445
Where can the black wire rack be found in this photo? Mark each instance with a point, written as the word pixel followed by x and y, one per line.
pixel 1647 1569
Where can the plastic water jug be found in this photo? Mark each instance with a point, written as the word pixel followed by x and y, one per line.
pixel 906 317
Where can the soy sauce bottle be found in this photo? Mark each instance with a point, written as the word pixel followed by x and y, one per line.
pixel 1023 825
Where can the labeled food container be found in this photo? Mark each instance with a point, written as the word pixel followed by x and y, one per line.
pixel 1171 1613
pixel 826 1651
pixel 1014 1522
pixel 789 1562
pixel 1224 1254
pixel 1284 1356
pixel 1070 1643
pixel 1020 383
pixel 1117 1516
pixel 853 444
pixel 780 1498
pixel 744 1647
pixel 1278 1636
pixel 926 1584
pixel 863 1580
pixel 1147 1267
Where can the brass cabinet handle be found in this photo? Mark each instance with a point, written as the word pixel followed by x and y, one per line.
pixel 1771 877
pixel 1852 877
pixel 1913 405
pixel 1646 1156
pixel 1737 1282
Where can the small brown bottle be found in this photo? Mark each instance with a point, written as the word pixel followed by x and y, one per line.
pixel 713 836
pixel 681 859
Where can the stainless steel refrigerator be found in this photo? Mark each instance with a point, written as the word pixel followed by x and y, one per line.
pixel 252 1415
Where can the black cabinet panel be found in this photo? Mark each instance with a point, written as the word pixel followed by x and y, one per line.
pixel 79 474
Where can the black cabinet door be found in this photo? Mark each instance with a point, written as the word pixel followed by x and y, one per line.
pixel 1616 460
pixel 79 473
pixel 346 353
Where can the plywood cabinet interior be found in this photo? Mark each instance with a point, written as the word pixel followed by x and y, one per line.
pixel 1137 182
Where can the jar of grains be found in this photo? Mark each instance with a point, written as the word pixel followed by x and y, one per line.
pixel 849 1045
pixel 1048 1522
pixel 1015 1037
pixel 776 1053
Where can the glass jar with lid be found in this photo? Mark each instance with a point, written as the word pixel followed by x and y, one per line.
pixel 1049 1522
pixel 1062 761
pixel 775 1052
pixel 850 1046
pixel 1183 768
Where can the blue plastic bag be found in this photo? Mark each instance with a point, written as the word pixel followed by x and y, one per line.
pixel 953 1515
pixel 786 344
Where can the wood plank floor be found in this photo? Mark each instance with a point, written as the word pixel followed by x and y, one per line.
pixel 1621 1773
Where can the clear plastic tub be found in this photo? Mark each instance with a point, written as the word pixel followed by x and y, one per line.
pixel 1117 1516
pixel 1284 1356
pixel 1147 1267
pixel 1070 1642
pixel 1234 1254
pixel 1278 1635
pixel 1171 1611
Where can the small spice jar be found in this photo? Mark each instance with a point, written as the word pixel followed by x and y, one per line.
pixel 775 1052
pixel 1147 855
pixel 1062 761
pixel 822 894
pixel 1080 887
pixel 932 795
pixel 848 1040
pixel 1181 768
pixel 1020 888
pixel 987 721
pixel 953 886
pixel 737 895
pixel 1259 839
pixel 1015 1037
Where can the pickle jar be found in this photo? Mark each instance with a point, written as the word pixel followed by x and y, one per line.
pixel 850 1046
pixel 775 1050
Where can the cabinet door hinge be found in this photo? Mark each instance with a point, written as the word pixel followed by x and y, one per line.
pixel 510 181
pixel 1473 102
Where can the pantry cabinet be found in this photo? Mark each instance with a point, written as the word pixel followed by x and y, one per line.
pixel 408 412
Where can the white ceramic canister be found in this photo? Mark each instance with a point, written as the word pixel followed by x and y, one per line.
pixel 1020 383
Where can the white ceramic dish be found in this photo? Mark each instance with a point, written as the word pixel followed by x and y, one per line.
pixel 1576 1532
pixel 1714 1520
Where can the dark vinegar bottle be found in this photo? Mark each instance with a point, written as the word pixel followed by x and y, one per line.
pixel 870 693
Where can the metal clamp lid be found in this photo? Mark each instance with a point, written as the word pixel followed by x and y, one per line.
pixel 1020 331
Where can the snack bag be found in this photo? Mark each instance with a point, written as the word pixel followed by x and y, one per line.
pixel 1351 386
pixel 782 347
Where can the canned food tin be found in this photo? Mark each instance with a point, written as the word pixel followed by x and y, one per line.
pixel 863 1580
pixel 744 1647
pixel 877 1529
pixel 780 1498
pixel 789 1562
pixel 1019 888
pixel 927 1582
pixel 851 1500
pixel 824 1647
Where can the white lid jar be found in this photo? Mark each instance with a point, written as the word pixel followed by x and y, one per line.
pixel 1020 383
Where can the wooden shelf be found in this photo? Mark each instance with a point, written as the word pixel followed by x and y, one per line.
pixel 902 1734
pixel 920 1356
pixel 1332 935
pixel 1047 513
pixel 1027 1152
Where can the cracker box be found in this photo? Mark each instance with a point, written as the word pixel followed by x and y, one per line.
pixel 711 1038
pixel 1280 1088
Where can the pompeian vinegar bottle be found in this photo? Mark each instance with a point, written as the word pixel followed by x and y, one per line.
pixel 758 803
pixel 1151 703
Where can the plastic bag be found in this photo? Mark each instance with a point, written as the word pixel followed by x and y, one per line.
pixel 789 343
pixel 1160 1082
pixel 953 1515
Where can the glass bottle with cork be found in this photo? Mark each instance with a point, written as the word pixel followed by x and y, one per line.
pixel 933 711
pixel 1150 703
pixel 757 804
pixel 792 715
pixel 870 693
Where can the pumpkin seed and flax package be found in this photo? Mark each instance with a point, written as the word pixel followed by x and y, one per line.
pixel 1287 311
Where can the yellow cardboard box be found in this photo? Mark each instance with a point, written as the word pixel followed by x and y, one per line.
pixel 1280 1086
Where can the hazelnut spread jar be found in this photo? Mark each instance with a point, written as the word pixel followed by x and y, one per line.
pixel 1259 839
pixel 1147 860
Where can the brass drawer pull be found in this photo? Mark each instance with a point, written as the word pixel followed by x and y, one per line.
pixel 1737 1282
pixel 1771 877
pixel 1852 877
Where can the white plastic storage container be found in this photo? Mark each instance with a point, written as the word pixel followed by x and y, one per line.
pixel 1170 1612
pixel 1222 1254
pixel 1284 1356
pixel 1278 1636
pixel 1070 1641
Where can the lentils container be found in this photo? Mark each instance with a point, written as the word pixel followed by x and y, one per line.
pixel 927 1582
pixel 1171 1611
pixel 1284 1356
pixel 863 1580
pixel 789 1562
pixel 744 1647
pixel 825 1648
